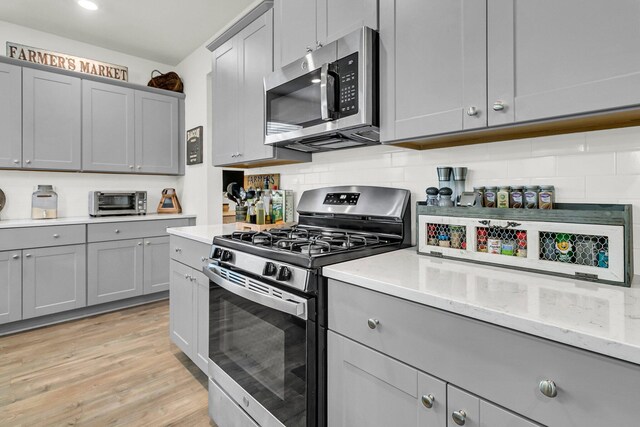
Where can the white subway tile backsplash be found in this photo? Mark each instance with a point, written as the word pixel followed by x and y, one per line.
pixel 531 167
pixel 567 188
pixel 615 187
pixel 622 139
pixel 586 164
pixel 520 148
pixel 628 162
pixel 557 145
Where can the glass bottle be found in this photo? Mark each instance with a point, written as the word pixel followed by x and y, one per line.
pixel 44 203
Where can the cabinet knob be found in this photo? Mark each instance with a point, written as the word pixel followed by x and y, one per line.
pixel 472 111
pixel 459 417
pixel 16 257
pixel 318 45
pixel 27 256
pixel 28 162
pixel 116 231
pixel 548 388
pixel 16 161
pixel 373 323
pixel 498 106
pixel 187 276
pixel 55 236
pixel 147 243
pixel 427 400
pixel 139 243
pixel 130 166
pixel 139 167
pixel 309 49
pixel 178 250
pixel 203 259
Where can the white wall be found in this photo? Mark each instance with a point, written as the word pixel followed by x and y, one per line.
pixel 72 188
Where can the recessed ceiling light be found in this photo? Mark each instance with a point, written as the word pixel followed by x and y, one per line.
pixel 89 5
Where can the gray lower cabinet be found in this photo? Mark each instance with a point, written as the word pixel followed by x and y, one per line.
pixel 471 411
pixel 116 270
pixel 10 286
pixel 202 320
pixel 433 76
pixel 584 58
pixel 51 124
pixel 156 267
pixel 156 133
pixel 53 280
pixel 11 116
pixel 182 313
pixel 108 137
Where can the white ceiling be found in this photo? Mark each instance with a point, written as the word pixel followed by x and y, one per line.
pixel 165 31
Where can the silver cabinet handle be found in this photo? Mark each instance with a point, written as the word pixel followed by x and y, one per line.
pixel 318 45
pixel 203 259
pixel 27 256
pixel 28 162
pixel 139 167
pixel 238 154
pixel 147 243
pixel 130 166
pixel 498 106
pixel 427 400
pixel 116 231
pixel 139 243
pixel 459 417
pixel 55 236
pixel 178 250
pixel 309 49
pixel 548 388
pixel 373 323
pixel 472 111
pixel 187 276
pixel 16 161
pixel 16 257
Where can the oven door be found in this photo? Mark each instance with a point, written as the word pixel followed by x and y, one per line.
pixel 117 203
pixel 262 345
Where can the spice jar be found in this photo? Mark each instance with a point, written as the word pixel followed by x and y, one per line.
pixel 482 239
pixel 546 197
pixel 516 198
pixel 432 196
pixel 490 197
pixel 479 194
pixel 531 197
pixel 503 197
pixel 445 197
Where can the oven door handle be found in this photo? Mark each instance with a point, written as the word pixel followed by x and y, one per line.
pixel 294 308
pixel 327 100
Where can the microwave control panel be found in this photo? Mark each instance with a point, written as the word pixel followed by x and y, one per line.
pixel 341 198
pixel 348 72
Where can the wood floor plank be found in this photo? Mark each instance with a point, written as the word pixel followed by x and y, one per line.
pixel 114 369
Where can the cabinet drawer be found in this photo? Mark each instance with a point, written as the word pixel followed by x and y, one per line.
pixel 132 229
pixel 40 237
pixel 224 411
pixel 189 252
pixel 495 363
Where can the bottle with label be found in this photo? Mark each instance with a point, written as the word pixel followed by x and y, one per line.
pixel 490 197
pixel 503 197
pixel 252 214
pixel 516 199
pixel 564 248
pixel 260 215
pixel 531 197
pixel 546 197
pixel 266 199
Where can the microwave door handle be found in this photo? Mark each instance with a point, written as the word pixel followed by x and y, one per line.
pixel 325 87
pixel 298 309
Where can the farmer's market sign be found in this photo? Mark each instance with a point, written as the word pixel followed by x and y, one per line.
pixel 67 62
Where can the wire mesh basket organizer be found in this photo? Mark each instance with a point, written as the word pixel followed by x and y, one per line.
pixel 586 241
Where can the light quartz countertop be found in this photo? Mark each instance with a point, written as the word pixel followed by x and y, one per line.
pixel 20 223
pixel 600 318
pixel 203 233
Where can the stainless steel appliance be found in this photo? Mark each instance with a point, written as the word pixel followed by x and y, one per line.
pixel 328 99
pixel 267 309
pixel 103 203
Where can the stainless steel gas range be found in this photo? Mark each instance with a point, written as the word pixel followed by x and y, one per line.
pixel 267 303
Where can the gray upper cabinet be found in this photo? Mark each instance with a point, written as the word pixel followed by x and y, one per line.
pixel 10 286
pixel 156 133
pixel 53 280
pixel 51 121
pixel 107 127
pixel 548 58
pixel 115 270
pixel 156 267
pixel 432 66
pixel 11 116
pixel 304 25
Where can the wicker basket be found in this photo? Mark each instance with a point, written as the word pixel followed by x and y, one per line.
pixel 169 81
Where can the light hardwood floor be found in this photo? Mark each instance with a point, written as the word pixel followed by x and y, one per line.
pixel 115 369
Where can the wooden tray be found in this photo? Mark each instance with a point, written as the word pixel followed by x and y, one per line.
pixel 246 226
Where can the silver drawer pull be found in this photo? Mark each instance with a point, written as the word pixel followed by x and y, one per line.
pixel 27 256
pixel 427 400
pixel 548 388
pixel 139 243
pixel 116 231
pixel 498 106
pixel 55 236
pixel 148 243
pixel 16 257
pixel 459 417
pixel 373 323
pixel 178 250
pixel 203 259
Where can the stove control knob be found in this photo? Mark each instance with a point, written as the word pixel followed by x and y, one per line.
pixel 226 256
pixel 270 269
pixel 284 274
pixel 217 253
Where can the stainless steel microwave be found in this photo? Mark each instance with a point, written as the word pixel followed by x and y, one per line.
pixel 328 99
pixel 103 203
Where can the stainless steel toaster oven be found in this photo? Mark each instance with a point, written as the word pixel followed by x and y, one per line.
pixel 104 203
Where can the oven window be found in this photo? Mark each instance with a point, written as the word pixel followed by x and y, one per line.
pixel 264 351
pixel 116 202
pixel 294 105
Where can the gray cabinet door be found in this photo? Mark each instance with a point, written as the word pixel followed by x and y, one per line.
pixel 11 116
pixel 51 125
pixel 548 58
pixel 202 322
pixel 182 312
pixel 494 416
pixel 10 286
pixel 464 407
pixel 53 280
pixel 337 18
pixel 107 127
pixel 156 264
pixel 115 270
pixel 294 30
pixel 225 103
pixel 432 67
pixel 367 388
pixel 255 47
pixel 156 133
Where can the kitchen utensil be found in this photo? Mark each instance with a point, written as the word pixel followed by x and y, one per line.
pixel 242 193
pixel 251 194
pixel 459 181
pixel 169 202
pixel 444 176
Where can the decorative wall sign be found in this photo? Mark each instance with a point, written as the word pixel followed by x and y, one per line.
pixel 194 146
pixel 257 181
pixel 67 62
